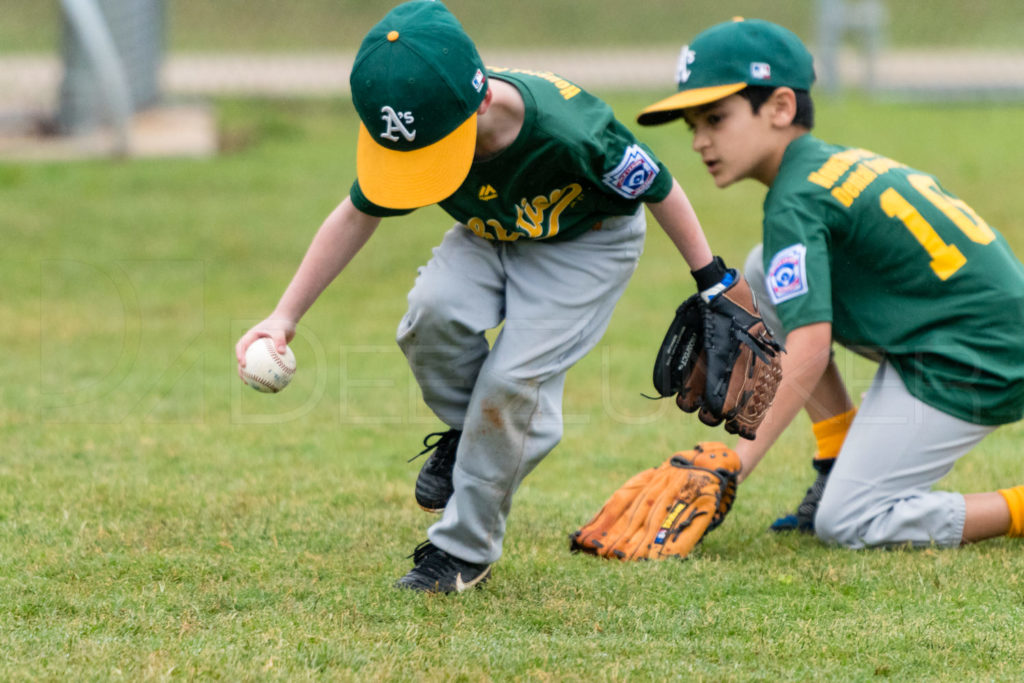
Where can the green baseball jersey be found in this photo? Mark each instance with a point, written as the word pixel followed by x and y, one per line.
pixel 572 165
pixel 900 267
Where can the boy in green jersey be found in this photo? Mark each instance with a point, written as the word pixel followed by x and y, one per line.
pixel 547 190
pixel 862 250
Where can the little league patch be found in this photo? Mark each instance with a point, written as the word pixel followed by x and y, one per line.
pixel 634 174
pixel 787 274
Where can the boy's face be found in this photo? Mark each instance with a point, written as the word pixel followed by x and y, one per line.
pixel 732 141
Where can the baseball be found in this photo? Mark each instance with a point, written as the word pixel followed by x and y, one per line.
pixel 267 370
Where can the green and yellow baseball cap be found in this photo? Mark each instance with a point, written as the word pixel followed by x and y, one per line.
pixel 728 57
pixel 417 82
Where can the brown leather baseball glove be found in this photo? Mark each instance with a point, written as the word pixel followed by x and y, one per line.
pixel 718 358
pixel 664 511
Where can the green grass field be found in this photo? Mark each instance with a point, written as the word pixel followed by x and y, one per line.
pixel 160 521
pixel 339 25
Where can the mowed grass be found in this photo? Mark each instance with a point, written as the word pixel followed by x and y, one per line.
pixel 158 520
pixel 339 25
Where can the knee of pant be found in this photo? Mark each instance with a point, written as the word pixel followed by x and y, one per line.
pixel 426 311
pixel 833 525
pixel 427 304
pixel 533 405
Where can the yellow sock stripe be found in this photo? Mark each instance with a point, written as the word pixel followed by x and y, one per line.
pixel 830 434
pixel 1015 500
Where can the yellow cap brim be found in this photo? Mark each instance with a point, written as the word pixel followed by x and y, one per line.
pixel 421 177
pixel 672 107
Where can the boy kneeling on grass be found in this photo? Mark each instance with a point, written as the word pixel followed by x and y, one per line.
pixel 862 250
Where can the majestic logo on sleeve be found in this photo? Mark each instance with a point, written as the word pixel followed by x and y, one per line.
pixel 396 123
pixel 686 57
pixel 787 274
pixel 634 174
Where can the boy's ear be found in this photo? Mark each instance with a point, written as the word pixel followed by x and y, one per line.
pixel 781 107
pixel 486 104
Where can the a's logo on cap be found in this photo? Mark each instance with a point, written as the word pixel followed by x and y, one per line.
pixel 760 71
pixel 396 123
pixel 686 58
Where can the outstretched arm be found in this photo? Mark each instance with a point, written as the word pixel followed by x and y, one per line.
pixel 340 237
pixel 803 365
pixel 676 217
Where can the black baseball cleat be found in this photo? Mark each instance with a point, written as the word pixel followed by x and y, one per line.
pixel 434 483
pixel 435 571
pixel 803 520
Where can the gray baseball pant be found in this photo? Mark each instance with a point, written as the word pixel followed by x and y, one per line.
pixel 555 301
pixel 880 490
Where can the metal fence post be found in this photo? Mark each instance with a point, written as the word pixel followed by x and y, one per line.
pixel 112 52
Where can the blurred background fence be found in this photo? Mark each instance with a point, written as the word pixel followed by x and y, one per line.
pixel 174 50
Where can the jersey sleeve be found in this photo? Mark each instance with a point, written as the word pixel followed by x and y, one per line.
pixel 360 201
pixel 797 267
pixel 627 168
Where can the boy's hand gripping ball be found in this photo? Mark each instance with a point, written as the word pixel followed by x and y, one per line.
pixel 267 370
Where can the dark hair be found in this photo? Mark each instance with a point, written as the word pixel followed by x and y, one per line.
pixel 759 94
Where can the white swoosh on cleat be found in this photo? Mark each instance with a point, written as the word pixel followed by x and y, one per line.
pixel 460 585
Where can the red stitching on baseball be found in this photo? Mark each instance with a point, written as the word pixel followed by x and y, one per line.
pixel 277 358
pixel 260 380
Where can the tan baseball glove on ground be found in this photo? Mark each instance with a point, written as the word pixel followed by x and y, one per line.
pixel 664 511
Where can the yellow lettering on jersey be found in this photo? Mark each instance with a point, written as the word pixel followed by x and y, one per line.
pixel 566 89
pixel 477 226
pixel 487 193
pixel 946 258
pixel 570 92
pixel 855 183
pixel 530 216
pixel 827 175
pixel 842 196
pixel 534 219
pixel 861 177
pixel 838 164
pixel 956 210
pixel 538 218
pixel 818 179
pixel 830 173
